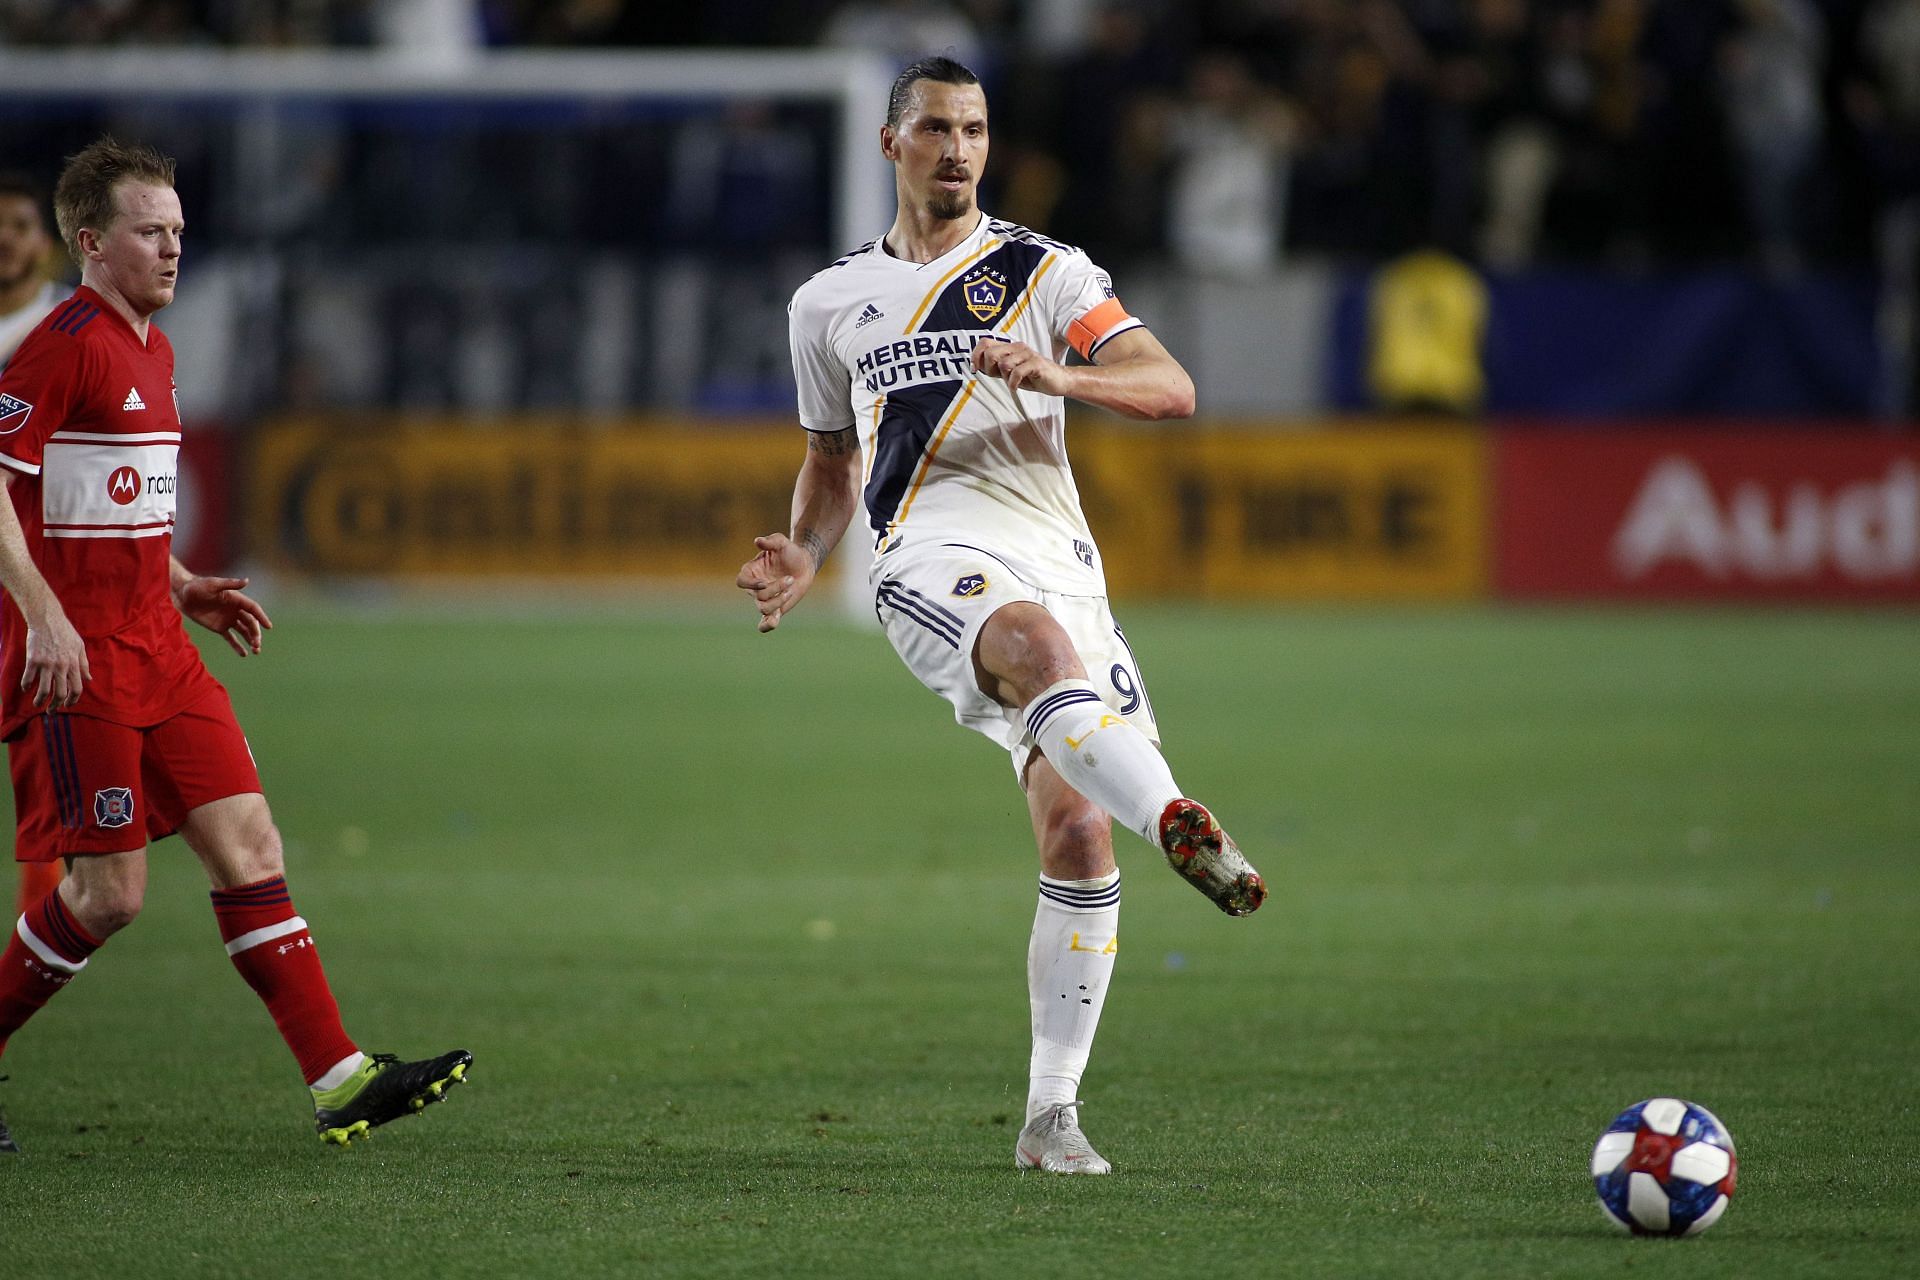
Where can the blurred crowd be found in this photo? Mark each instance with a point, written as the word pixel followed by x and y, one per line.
pixel 1228 134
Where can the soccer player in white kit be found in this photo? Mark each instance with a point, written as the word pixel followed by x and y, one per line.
pixel 27 294
pixel 936 354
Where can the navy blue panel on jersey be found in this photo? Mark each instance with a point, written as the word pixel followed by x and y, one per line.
pixel 986 293
pixel 908 422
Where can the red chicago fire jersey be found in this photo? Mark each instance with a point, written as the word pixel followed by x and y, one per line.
pixel 90 425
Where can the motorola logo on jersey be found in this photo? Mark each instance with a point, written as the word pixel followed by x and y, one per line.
pixel 124 485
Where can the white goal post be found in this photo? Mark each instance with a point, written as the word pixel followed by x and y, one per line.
pixel 856 83
pixel 257 83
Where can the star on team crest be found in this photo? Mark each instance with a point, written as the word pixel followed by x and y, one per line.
pixel 985 290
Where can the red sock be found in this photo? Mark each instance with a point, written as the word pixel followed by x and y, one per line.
pixel 47 948
pixel 37 880
pixel 273 951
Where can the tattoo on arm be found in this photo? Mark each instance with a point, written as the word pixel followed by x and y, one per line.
pixel 833 444
pixel 814 545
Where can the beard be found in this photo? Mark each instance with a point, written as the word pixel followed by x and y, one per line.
pixel 949 206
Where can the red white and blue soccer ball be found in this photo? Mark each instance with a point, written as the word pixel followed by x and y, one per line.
pixel 1664 1167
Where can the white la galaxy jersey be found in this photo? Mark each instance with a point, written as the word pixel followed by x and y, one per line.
pixel 885 345
pixel 16 325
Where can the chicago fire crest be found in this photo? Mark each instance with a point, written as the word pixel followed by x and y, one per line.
pixel 113 806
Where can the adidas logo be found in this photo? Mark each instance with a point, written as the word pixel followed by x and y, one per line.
pixel 133 400
pixel 867 317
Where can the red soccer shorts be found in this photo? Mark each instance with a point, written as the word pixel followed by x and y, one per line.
pixel 82 785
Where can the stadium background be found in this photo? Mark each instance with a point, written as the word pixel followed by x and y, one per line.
pixel 1490 304
pixel 1426 260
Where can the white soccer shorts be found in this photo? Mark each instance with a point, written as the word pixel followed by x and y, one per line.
pixel 934 597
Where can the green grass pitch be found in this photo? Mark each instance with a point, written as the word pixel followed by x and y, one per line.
pixel 735 927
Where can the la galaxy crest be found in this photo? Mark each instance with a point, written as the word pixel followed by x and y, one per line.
pixel 985 291
pixel 971 585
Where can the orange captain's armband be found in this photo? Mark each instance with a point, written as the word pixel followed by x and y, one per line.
pixel 1084 334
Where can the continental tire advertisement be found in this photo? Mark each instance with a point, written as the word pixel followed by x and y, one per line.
pixel 527 498
pixel 1263 511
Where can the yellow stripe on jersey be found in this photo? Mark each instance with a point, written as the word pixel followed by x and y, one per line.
pixel 940 284
pixel 927 462
pixel 879 403
pixel 1046 265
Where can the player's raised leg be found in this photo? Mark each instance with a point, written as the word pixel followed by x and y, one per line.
pixel 1070 959
pixel 273 949
pixel 1026 659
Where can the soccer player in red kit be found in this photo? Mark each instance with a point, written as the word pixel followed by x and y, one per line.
pixel 116 734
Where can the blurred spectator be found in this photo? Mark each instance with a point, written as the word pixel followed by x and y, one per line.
pixel 1363 180
pixel 903 30
pixel 436 31
pixel 1883 103
pixel 1770 82
pixel 1216 136
pixel 1680 180
pixel 1227 142
pixel 1110 176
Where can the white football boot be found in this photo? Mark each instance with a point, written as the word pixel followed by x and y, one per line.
pixel 1207 858
pixel 1052 1141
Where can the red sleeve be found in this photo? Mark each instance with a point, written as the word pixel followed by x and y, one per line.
pixel 39 391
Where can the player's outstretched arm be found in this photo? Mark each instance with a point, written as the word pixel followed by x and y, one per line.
pixel 56 667
pixel 825 497
pixel 1133 375
pixel 218 605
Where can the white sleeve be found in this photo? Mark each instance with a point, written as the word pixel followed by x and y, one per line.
pixel 1083 311
pixel 824 385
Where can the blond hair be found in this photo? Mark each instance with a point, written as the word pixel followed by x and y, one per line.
pixel 84 195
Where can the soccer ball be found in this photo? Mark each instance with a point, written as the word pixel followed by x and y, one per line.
pixel 1664 1167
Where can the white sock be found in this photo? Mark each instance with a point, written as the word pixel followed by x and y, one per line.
pixel 337 1073
pixel 1101 756
pixel 1069 965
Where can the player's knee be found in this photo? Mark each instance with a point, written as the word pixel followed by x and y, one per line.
pixel 105 909
pixel 260 854
pixel 1079 841
pixel 1026 652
